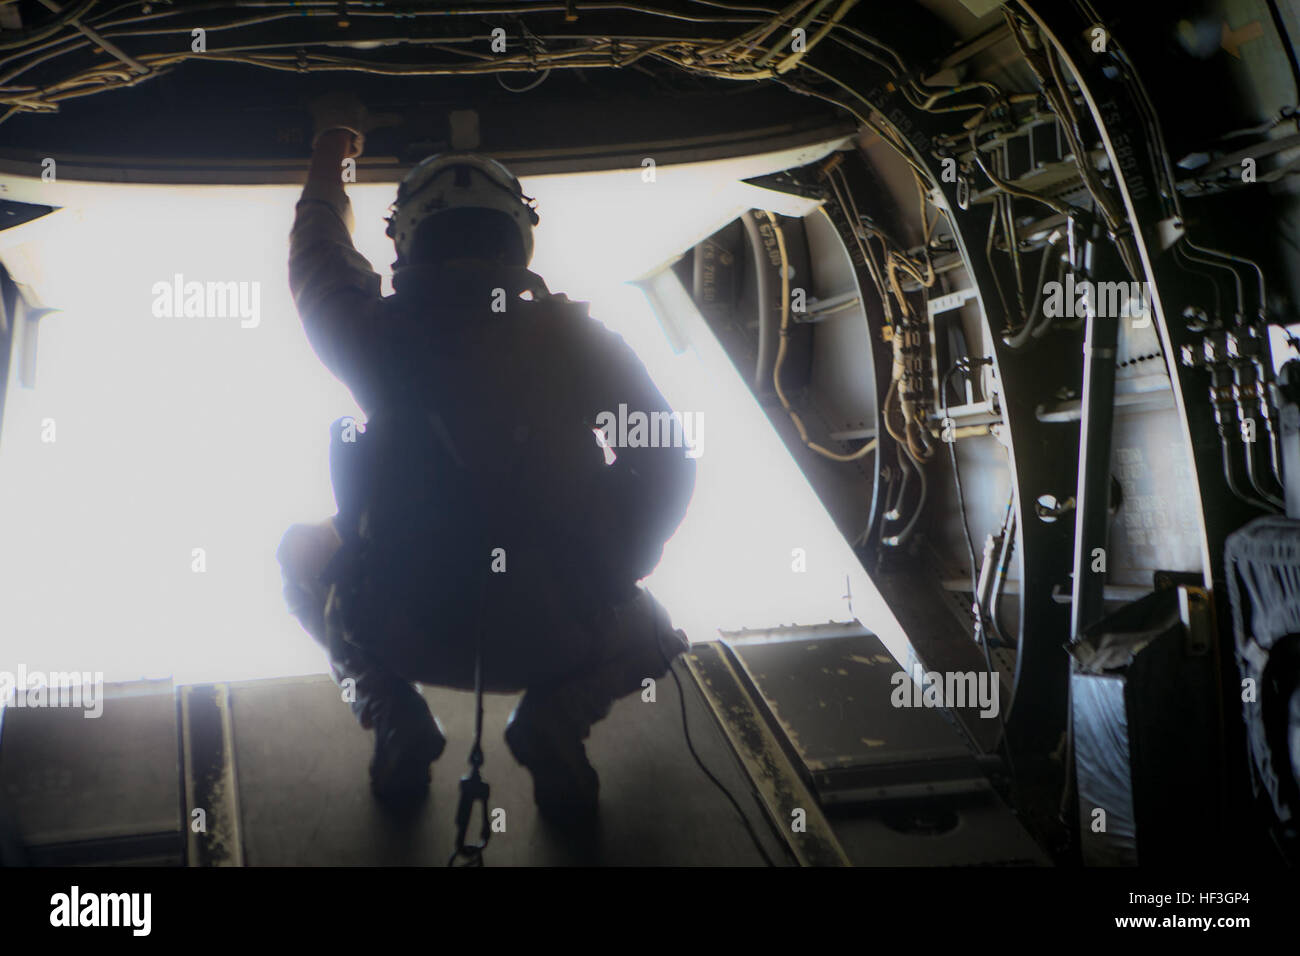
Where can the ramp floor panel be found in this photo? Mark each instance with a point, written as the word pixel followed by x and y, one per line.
pixel 833 698
pixel 900 785
pixel 301 762
pixel 98 790
pixel 280 770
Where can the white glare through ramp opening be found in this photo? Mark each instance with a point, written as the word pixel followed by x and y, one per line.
pixel 153 446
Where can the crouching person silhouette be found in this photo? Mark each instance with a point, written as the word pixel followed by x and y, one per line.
pixel 479 502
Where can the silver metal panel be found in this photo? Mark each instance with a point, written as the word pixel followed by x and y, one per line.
pixel 1157 525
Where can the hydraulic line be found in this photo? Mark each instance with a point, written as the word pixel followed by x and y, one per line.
pixel 851 213
pixel 1000 577
pixel 1096 436
pixel 1045 326
pixel 780 359
pixel 1248 383
pixel 1054 204
pixel 1239 314
pixel 1259 273
pixel 1058 98
pixel 757 35
pixel 1224 405
pixel 990 562
pixel 764 304
pixel 994 221
pixel 1232 481
pixel 1253 477
pixel 1009 225
pixel 1246 389
pixel 895 509
pixel 880 131
pixel 802 24
pixel 1179 255
pixel 795 58
pixel 1031 330
pixel 978 611
pixel 901 537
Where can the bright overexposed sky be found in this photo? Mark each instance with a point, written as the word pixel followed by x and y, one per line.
pixel 178 433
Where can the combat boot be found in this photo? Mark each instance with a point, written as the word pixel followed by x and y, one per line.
pixel 547 730
pixel 547 740
pixel 408 737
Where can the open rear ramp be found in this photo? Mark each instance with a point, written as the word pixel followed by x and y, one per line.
pixel 274 773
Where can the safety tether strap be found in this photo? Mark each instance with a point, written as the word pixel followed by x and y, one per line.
pixel 473 788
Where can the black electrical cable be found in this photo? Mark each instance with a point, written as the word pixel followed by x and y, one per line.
pixel 895 500
pixel 905 455
pixel 964 365
pixel 1000 570
pixel 534 46
pixel 1207 276
pixel 681 698
pixel 1026 333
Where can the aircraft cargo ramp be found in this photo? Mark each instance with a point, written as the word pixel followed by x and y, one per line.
pixel 273 773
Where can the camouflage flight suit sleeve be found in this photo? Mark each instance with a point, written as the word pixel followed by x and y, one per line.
pixel 336 290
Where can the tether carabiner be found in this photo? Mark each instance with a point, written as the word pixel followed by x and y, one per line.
pixel 473 789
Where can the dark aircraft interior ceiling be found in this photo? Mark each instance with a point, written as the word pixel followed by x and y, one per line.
pixel 1033 349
